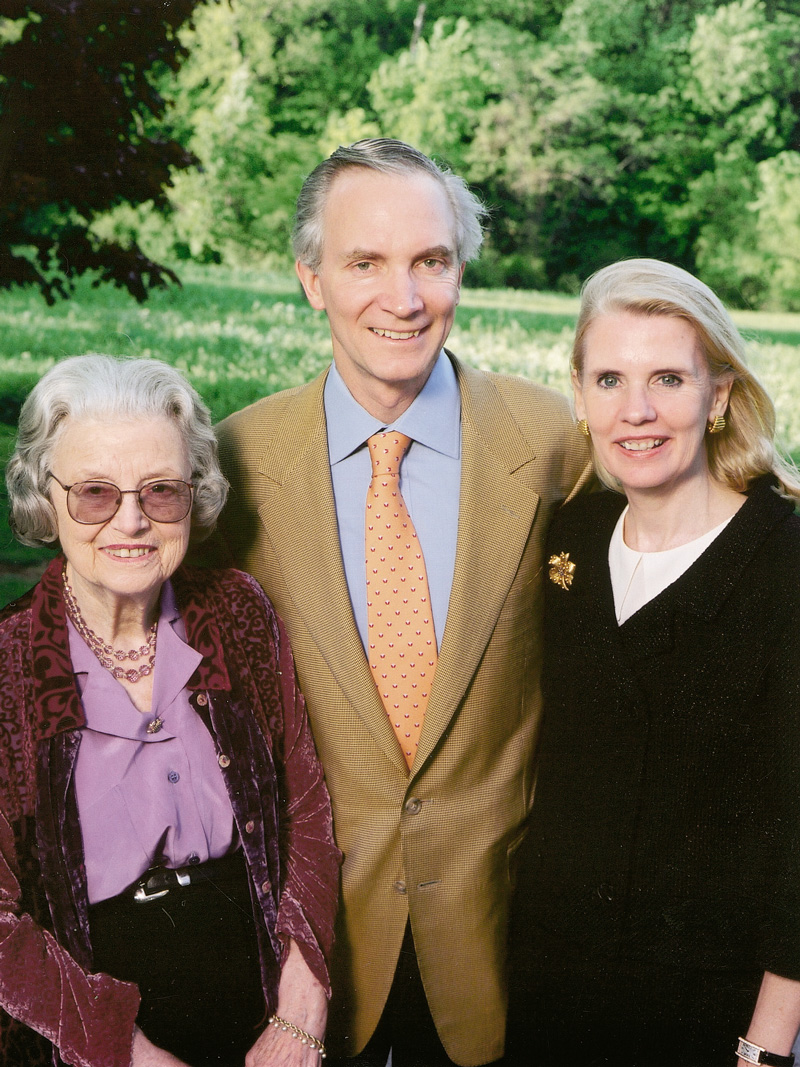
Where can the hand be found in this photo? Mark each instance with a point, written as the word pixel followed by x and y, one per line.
pixel 146 1054
pixel 302 1001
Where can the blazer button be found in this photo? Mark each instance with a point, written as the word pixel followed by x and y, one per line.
pixel 605 892
pixel 223 760
pixel 202 699
pixel 249 826
pixel 400 885
pixel 413 806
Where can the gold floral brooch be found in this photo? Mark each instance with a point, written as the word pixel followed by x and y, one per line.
pixel 561 570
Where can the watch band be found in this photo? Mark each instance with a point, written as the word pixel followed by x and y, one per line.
pixel 746 1050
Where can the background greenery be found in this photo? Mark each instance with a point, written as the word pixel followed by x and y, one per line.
pixel 239 335
pixel 594 130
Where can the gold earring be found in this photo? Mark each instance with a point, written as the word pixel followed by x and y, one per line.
pixel 583 426
pixel 718 425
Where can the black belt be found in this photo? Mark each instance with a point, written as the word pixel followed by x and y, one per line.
pixel 159 881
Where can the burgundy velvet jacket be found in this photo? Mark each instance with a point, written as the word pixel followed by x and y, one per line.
pixel 51 1004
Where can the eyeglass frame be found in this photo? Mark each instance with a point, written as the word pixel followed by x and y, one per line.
pixel 122 493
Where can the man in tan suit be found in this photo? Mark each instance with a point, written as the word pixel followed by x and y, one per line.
pixel 428 833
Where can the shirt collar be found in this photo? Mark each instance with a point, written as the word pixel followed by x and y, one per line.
pixel 433 419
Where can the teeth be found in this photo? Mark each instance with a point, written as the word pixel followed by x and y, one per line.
pixel 127 553
pixel 642 446
pixel 395 335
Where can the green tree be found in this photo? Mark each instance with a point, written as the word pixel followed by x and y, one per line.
pixel 251 103
pixel 591 136
pixel 270 86
pixel 609 137
pixel 776 208
pixel 78 135
pixel 743 81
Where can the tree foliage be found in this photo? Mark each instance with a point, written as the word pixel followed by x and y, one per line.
pixel 79 135
pixel 673 131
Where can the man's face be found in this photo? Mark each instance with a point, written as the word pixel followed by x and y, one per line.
pixel 389 280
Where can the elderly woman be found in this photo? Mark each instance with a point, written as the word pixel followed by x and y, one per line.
pixel 167 872
pixel 658 902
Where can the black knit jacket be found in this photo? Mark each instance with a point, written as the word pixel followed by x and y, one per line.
pixel 665 832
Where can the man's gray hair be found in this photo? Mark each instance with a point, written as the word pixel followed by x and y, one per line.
pixel 388 157
pixel 106 387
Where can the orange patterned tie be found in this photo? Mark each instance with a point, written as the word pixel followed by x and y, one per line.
pixel 402 642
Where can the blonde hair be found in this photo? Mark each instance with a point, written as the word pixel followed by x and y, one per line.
pixel 745 449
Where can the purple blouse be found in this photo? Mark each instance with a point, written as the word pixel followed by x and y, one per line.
pixel 145 799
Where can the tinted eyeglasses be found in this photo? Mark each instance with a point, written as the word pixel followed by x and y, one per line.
pixel 163 500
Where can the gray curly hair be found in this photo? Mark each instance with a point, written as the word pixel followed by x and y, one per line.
pixel 106 387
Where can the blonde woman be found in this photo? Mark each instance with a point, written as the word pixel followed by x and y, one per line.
pixel 658 905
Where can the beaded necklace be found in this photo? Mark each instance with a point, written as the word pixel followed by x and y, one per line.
pixel 106 653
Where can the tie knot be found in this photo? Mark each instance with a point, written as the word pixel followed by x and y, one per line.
pixel 387 450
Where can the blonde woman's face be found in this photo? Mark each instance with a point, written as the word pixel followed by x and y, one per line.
pixel 647 396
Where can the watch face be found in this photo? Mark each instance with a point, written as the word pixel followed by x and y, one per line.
pixel 746 1051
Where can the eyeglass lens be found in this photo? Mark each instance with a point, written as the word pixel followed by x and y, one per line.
pixel 166 501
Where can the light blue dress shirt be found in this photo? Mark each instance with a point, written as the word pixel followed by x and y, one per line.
pixel 430 481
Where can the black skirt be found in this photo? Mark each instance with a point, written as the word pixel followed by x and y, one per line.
pixel 193 953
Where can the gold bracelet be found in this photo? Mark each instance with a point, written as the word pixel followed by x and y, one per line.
pixel 313 1043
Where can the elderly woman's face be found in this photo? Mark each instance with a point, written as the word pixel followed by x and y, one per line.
pixel 128 555
pixel 647 396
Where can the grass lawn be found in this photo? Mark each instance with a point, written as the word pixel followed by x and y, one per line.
pixel 239 335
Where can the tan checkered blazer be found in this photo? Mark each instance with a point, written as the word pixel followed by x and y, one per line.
pixel 434 845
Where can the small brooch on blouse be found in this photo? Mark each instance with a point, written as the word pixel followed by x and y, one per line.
pixel 561 570
pixel 155 725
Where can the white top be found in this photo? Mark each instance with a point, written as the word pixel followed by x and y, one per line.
pixel 638 577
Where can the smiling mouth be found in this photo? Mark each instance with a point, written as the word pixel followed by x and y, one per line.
pixel 129 553
pixel 642 446
pixel 395 335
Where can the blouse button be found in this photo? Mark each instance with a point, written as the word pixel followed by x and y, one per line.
pixel 202 699
pixel 249 826
pixel 224 761
pixel 173 777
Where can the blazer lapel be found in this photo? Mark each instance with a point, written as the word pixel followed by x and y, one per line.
pixel 299 516
pixel 497 508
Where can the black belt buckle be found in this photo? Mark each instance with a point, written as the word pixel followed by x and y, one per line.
pixel 151 885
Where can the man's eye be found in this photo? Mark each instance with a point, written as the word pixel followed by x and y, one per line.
pixel 608 381
pixel 434 263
